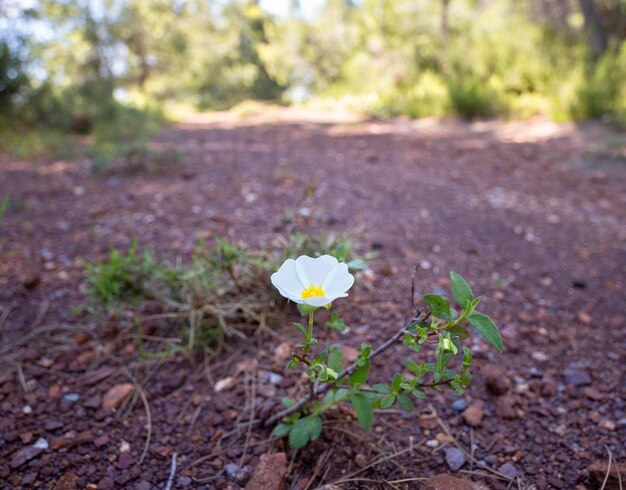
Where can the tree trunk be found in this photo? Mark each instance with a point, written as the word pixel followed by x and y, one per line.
pixel 445 26
pixel 597 35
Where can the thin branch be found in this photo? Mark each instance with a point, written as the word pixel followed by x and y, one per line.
pixel 170 478
pixel 346 372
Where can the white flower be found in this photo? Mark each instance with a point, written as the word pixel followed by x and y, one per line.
pixel 315 282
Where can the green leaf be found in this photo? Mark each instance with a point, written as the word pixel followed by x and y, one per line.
pixel 363 410
pixel 305 309
pixel 460 289
pixel 287 402
pixel 281 430
pixel 486 328
pixel 387 401
pixel 439 306
pixel 304 430
pixel 320 358
pixel 419 394
pixel 335 358
pixel 357 265
pixel 460 331
pixel 301 328
pixel 398 378
pixel 405 403
pixel 412 366
pixel 381 388
pixel 360 374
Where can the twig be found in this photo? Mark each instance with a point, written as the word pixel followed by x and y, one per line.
pixel 170 478
pixel 5 314
pixel 346 372
pixel 250 424
pixel 608 471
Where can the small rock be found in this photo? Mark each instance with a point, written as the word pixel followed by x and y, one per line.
pixel 92 402
pixel 360 460
pixel 509 470
pixel 26 437
pixel 607 424
pixel 243 475
pixel 270 377
pixel 282 352
pixel 116 395
pixel 71 397
pixel 143 485
pixel 269 473
pixel 584 317
pixel 459 404
pixel 505 407
pixel 576 377
pixel 231 470
pixel 69 481
pixel 432 443
pixel 53 425
pixel 30 278
pixel 447 482
pixel 599 469
pixel 444 438
pixel 455 458
pixel 427 421
pixel 473 415
pixel 124 447
pixel 27 409
pixel 183 482
pixel 539 356
pixel 496 380
pixel 103 440
pixel 162 452
pixel 106 483
pixel 41 443
pixel 125 461
pixel 592 393
pixel 26 454
pixel 224 384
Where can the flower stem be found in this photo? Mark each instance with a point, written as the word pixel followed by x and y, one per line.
pixel 311 325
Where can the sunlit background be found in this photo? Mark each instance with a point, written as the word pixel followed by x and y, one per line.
pixel 78 65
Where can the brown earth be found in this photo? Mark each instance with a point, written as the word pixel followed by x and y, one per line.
pixel 532 214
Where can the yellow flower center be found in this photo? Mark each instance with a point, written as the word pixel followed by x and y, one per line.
pixel 312 291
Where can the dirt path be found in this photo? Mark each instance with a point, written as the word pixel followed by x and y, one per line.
pixel 533 214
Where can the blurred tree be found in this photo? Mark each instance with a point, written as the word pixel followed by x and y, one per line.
pixel 595 30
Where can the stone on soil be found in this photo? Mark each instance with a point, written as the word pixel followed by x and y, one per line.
pixel 473 415
pixel 269 473
pixel 26 454
pixel 455 458
pixel 509 470
pixel 576 377
pixel 496 380
pixel 447 482
pixel 116 395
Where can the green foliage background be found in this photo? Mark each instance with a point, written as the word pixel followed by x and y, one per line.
pixel 89 66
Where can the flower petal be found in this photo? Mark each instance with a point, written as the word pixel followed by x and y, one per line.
pixel 317 300
pixel 342 281
pixel 315 271
pixel 286 279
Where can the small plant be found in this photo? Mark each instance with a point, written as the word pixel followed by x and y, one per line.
pixel 314 283
pixel 121 277
pixel 339 246
pixel 4 205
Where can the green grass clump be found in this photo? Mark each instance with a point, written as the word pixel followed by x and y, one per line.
pixel 122 277
pixel 223 292
pixel 342 247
